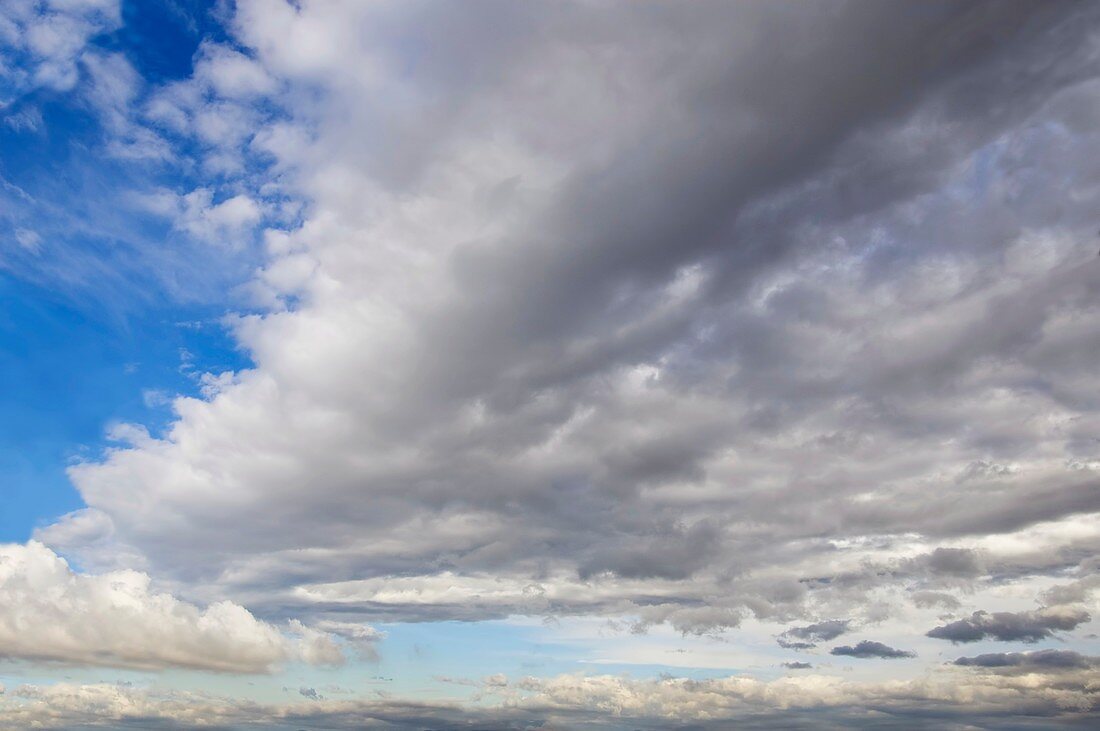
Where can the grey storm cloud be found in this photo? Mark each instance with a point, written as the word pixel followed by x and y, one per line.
pixel 869 649
pixel 1029 626
pixel 709 323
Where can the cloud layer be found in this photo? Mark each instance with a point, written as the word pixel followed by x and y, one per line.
pixel 976 699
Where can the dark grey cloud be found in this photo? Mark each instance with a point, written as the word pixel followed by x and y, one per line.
pixel 1011 626
pixel 870 648
pixel 796 665
pixel 1040 660
pixel 800 638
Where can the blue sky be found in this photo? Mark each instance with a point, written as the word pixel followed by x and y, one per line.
pixel 548 365
pixel 95 317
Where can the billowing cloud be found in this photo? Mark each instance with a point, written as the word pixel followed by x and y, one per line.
pixel 50 613
pixel 869 649
pixel 1029 626
pixel 672 320
pixel 700 332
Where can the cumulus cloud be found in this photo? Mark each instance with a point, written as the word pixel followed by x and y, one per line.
pixel 869 649
pixel 1030 626
pixel 50 613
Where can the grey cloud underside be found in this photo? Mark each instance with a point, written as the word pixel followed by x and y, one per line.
pixel 703 320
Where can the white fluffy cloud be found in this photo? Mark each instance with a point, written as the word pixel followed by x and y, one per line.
pixel 48 612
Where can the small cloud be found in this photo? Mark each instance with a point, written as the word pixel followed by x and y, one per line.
pixel 500 680
pixel 797 665
pixel 155 398
pixel 871 649
pixel 28 240
pixel 805 638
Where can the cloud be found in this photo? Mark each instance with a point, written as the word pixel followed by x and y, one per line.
pixel 801 638
pixel 232 74
pixel 227 223
pixel 925 599
pixel 870 648
pixel 363 638
pixel 1030 626
pixel 48 613
pixel 963 695
pixel 1040 660
pixel 587 312
pixel 41 44
pixel 28 239
pixel 697 335
pixel 955 562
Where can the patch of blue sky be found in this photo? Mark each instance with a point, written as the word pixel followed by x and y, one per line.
pixel 106 310
pixel 160 38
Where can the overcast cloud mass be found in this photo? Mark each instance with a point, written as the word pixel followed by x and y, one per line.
pixel 556 365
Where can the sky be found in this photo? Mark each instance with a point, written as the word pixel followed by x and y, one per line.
pixel 549 365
